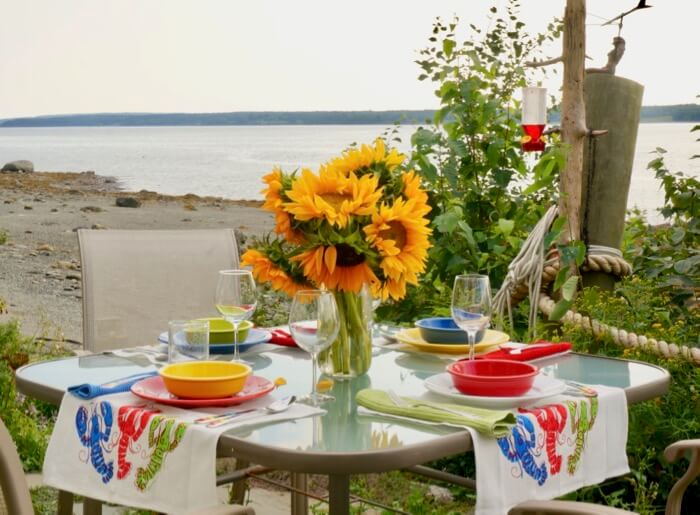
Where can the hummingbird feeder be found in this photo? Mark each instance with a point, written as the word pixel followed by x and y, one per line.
pixel 534 118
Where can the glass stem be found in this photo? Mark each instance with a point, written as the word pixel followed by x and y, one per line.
pixel 314 393
pixel 471 337
pixel 235 340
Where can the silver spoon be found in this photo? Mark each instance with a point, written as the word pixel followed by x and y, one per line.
pixel 274 407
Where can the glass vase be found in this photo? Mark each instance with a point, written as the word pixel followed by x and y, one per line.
pixel 350 355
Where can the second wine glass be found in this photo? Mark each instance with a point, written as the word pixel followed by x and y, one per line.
pixel 314 323
pixel 471 305
pixel 236 299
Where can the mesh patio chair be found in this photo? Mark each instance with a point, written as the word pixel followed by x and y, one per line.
pixel 135 281
pixel 15 492
pixel 673 504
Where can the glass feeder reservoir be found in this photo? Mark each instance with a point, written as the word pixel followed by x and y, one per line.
pixel 534 118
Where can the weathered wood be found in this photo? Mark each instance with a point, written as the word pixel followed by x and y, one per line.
pixel 573 118
pixel 616 103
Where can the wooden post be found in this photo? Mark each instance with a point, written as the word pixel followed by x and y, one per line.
pixel 614 103
pixel 573 116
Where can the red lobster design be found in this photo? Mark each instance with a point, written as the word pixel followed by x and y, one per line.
pixel 552 420
pixel 132 421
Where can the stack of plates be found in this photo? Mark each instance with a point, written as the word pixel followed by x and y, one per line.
pixel 413 337
pixel 255 336
pixel 543 387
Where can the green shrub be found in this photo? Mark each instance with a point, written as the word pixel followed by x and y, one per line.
pixel 29 422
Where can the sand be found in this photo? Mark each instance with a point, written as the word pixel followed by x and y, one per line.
pixel 40 214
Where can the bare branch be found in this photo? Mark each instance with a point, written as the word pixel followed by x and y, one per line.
pixel 539 64
pixel 552 130
pixel 594 133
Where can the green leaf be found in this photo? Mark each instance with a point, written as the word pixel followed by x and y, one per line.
pixel 447 222
pixel 560 309
pixel 448 46
pixel 562 275
pixel 554 232
pixel 506 226
pixel 568 290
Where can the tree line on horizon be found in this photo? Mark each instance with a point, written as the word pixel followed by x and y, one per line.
pixel 670 113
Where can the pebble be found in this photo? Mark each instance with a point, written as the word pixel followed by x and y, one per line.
pixel 98 226
pixel 45 247
pixel 54 210
pixel 73 277
pixel 440 494
pixel 91 209
pixel 66 265
pixel 28 208
pixel 127 202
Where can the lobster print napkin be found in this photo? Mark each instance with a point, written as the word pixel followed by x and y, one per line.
pixel 553 449
pixel 121 449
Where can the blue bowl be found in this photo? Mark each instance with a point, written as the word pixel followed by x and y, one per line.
pixel 444 330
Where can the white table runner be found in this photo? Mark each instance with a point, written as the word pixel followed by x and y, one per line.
pixel 122 449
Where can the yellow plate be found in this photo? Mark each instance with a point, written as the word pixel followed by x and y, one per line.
pixel 412 337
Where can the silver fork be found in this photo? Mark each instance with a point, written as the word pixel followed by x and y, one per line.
pixel 416 403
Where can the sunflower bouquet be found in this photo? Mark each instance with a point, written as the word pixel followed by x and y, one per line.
pixel 358 227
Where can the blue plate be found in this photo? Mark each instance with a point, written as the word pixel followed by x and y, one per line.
pixel 255 336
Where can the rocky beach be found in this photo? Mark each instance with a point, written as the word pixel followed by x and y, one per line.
pixel 40 213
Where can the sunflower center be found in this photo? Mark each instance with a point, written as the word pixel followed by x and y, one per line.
pixel 396 232
pixel 347 256
pixel 335 199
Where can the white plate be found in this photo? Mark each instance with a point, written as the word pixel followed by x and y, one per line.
pixel 543 387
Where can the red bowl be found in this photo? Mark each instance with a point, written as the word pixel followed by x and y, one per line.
pixel 492 377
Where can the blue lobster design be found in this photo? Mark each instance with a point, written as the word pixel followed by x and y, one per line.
pixel 93 430
pixel 519 446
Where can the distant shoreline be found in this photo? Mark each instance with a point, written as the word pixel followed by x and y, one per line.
pixel 684 113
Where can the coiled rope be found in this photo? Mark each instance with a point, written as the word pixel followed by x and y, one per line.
pixel 531 274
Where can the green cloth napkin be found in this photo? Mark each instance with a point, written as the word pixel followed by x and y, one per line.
pixel 488 422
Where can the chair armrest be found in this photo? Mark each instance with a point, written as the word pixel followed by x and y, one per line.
pixel 677 449
pixel 672 453
pixel 564 508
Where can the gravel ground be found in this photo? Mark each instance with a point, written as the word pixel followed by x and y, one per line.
pixel 40 214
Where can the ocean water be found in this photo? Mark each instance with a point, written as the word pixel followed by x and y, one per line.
pixel 230 161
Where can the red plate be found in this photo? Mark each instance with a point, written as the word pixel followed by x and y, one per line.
pixel 153 389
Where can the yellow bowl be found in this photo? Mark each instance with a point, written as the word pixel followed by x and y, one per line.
pixel 205 379
pixel 221 330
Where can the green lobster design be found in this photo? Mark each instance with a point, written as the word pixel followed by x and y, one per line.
pixel 163 439
pixel 581 424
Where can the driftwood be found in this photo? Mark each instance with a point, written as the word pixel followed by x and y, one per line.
pixel 614 57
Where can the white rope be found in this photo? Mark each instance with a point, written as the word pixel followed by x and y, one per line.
pixel 526 268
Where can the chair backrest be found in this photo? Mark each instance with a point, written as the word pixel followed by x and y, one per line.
pixel 15 492
pixel 135 281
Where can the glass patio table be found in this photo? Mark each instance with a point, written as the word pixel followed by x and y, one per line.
pixel 343 442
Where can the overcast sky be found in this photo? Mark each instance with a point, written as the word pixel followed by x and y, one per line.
pixel 85 56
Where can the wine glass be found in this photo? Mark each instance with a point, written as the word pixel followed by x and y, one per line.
pixel 314 323
pixel 471 305
pixel 236 300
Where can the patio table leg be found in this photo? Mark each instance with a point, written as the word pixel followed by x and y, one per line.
pixel 65 503
pixel 338 494
pixel 92 507
pixel 300 503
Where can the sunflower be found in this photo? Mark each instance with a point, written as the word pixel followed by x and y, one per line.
pixel 265 270
pixel 413 191
pixel 336 267
pixel 400 235
pixel 366 157
pixel 332 196
pixel 396 289
pixel 274 203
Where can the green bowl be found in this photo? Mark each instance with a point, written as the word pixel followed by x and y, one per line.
pixel 221 330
